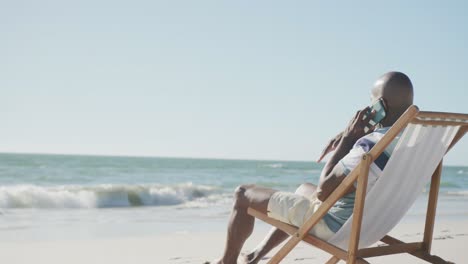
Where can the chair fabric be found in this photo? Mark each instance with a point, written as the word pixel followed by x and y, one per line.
pixel 416 156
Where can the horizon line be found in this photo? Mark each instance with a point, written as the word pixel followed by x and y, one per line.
pixel 152 156
pixel 173 157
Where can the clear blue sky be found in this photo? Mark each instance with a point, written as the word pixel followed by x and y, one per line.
pixel 221 79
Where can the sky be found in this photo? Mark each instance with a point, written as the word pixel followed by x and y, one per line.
pixel 217 79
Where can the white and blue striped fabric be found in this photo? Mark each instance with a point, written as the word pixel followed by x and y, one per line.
pixel 415 157
pixel 343 208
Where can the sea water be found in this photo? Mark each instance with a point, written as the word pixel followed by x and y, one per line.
pixel 71 196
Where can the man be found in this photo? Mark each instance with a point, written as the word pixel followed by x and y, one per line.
pixel 396 90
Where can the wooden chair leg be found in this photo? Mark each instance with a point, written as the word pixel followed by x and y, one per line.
pixel 431 258
pixel 431 208
pixel 333 260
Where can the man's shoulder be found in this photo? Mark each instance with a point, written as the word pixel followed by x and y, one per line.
pixel 368 141
pixel 375 135
pixel 379 132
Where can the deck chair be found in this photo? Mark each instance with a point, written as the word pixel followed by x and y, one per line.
pixel 423 140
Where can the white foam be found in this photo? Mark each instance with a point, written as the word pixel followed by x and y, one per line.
pixel 458 193
pixel 102 196
pixel 274 165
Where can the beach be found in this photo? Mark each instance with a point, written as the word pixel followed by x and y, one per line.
pixel 450 239
pixel 96 209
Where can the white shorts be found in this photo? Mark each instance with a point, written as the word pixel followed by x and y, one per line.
pixel 295 209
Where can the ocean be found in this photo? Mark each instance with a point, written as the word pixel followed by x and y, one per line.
pixel 72 196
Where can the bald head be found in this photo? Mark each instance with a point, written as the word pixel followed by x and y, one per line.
pixel 397 91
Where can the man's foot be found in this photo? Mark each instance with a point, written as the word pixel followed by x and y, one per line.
pixel 251 258
pixel 243 259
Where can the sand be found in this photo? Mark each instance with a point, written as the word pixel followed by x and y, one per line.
pixel 450 242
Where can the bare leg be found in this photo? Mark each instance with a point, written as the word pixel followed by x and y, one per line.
pixel 276 236
pixel 241 223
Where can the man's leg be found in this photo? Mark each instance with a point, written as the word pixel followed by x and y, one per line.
pixel 276 236
pixel 241 223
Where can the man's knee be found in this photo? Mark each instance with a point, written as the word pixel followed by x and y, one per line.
pixel 306 189
pixel 240 197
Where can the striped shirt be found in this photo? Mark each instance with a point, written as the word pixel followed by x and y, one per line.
pixel 343 208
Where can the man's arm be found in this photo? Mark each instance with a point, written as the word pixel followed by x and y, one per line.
pixel 331 146
pixel 332 175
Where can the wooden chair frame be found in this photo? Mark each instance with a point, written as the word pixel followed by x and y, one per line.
pixel 353 255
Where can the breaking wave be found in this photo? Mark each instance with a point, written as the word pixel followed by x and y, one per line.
pixel 107 195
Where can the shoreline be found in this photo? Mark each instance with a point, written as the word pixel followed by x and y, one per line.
pixel 142 222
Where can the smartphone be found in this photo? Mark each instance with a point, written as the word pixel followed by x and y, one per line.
pixel 380 113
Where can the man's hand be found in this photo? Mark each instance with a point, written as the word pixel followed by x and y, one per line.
pixel 356 127
pixel 354 130
pixel 331 146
